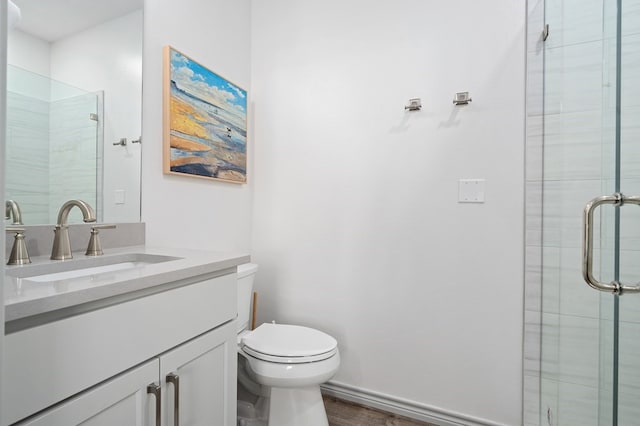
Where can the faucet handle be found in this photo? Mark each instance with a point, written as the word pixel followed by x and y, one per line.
pixel 95 248
pixel 19 254
pixel 103 226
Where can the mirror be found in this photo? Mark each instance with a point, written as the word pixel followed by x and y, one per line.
pixel 74 102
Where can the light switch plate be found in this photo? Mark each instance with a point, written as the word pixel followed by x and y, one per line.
pixel 471 190
pixel 118 196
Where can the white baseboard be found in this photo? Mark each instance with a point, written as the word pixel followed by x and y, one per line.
pixel 401 406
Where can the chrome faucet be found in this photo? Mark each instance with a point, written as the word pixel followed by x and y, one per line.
pixel 19 254
pixel 12 210
pixel 61 244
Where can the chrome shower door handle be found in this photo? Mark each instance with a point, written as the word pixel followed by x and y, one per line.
pixel 617 200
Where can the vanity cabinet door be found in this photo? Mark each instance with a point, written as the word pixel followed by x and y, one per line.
pixel 199 380
pixel 123 400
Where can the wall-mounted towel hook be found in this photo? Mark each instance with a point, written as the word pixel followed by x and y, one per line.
pixel 462 98
pixel 415 104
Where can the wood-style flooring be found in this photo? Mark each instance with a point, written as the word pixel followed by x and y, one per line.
pixel 343 413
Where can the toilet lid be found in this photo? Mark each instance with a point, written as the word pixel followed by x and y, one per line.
pixel 292 343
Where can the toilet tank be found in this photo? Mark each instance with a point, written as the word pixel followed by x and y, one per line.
pixel 246 273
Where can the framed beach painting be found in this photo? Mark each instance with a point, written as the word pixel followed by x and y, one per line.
pixel 205 121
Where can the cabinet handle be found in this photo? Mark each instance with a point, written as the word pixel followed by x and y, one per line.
pixel 175 380
pixel 155 390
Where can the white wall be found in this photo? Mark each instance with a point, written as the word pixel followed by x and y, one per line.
pixel 111 61
pixel 357 228
pixel 183 211
pixel 29 52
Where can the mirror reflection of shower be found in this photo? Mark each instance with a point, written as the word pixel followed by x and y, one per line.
pixel 52 144
pixel 54 48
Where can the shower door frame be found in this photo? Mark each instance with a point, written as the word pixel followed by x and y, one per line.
pixel 534 128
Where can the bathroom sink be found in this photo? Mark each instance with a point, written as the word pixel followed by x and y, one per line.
pixel 56 276
pixel 84 267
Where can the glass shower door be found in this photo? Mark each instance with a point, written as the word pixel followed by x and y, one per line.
pixel 590 370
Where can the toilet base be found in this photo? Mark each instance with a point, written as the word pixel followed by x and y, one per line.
pixel 297 406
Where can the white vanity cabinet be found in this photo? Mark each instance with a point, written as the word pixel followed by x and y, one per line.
pixel 124 400
pixel 94 368
pixel 198 387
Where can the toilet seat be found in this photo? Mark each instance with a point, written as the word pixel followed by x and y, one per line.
pixel 288 344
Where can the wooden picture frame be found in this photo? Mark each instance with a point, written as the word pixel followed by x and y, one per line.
pixel 204 120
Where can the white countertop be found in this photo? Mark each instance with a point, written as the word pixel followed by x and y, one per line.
pixel 26 298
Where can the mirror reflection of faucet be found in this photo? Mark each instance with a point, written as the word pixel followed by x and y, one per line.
pixel 12 211
pixel 61 249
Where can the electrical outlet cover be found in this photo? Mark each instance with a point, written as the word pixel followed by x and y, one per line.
pixel 471 190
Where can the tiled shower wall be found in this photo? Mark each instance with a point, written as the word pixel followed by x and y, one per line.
pixel 51 153
pixel 568 327
pixel 73 154
pixel 28 155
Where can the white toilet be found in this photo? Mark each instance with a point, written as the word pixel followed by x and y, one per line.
pixel 282 365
